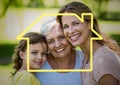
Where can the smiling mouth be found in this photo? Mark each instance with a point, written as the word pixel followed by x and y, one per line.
pixel 60 50
pixel 38 62
pixel 75 37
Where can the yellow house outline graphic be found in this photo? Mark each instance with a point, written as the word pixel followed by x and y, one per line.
pixel 19 37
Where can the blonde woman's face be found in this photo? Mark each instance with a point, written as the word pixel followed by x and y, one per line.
pixel 76 32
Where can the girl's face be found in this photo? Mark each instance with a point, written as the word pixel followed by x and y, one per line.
pixel 38 53
pixel 57 43
pixel 76 32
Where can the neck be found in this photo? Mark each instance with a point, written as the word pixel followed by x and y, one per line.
pixel 86 50
pixel 96 46
pixel 23 67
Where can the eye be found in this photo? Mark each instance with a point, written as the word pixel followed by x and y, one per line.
pixel 34 52
pixel 65 26
pixel 75 23
pixel 50 41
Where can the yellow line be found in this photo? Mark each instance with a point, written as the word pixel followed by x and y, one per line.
pixel 62 14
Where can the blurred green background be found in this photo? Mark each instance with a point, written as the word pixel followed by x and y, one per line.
pixel 16 15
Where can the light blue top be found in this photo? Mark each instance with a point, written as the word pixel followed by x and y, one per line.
pixel 55 78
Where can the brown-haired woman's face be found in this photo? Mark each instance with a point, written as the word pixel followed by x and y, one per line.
pixel 76 32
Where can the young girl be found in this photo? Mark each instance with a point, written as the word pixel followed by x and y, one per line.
pixel 38 53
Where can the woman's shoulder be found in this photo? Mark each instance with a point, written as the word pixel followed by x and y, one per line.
pixel 105 54
pixel 105 62
pixel 106 57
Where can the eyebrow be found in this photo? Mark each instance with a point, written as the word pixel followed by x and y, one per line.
pixel 34 50
pixel 76 20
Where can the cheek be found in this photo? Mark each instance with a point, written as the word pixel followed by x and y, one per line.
pixel 32 56
pixel 65 33
pixel 50 46
pixel 31 59
pixel 44 59
pixel 66 42
pixel 85 30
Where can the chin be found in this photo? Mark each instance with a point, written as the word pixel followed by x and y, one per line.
pixel 61 56
pixel 75 44
pixel 78 43
pixel 36 68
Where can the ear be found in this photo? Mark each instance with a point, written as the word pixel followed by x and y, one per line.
pixel 22 54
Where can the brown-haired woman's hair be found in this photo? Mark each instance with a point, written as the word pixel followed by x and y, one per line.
pixel 22 45
pixel 79 8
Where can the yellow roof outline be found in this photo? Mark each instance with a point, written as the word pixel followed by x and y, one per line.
pixel 19 37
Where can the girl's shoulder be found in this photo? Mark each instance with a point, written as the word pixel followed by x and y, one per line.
pixel 25 78
pixel 22 75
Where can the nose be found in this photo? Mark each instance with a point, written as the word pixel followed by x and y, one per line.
pixel 57 43
pixel 39 56
pixel 71 29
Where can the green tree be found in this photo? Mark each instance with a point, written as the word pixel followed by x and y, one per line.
pixel 4 4
pixel 36 3
pixel 100 7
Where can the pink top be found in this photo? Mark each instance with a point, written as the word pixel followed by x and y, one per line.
pixel 105 61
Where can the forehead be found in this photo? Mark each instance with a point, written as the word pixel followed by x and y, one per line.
pixel 69 18
pixel 38 46
pixel 55 31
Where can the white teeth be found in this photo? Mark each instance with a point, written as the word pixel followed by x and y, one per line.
pixel 60 50
pixel 73 38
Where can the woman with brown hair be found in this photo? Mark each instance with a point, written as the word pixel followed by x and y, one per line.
pixel 106 52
